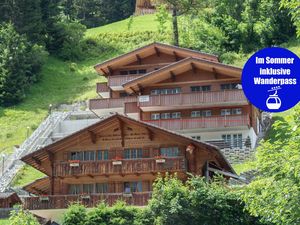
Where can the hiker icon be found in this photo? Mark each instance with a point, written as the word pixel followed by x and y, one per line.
pixel 274 102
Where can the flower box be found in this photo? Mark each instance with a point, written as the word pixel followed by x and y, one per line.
pixel 162 160
pixel 85 197
pixel 127 195
pixel 74 163
pixel 117 162
pixel 44 199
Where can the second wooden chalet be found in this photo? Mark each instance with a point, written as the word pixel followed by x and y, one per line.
pixel 182 90
pixel 116 158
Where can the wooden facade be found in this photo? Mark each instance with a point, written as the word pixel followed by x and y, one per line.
pixel 8 200
pixel 116 158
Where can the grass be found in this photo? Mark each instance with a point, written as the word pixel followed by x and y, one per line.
pixel 26 175
pixel 4 221
pixel 140 23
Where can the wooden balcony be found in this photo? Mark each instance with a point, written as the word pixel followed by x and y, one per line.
pixel 203 122
pixel 89 200
pixel 102 87
pixel 108 103
pixel 116 81
pixel 128 166
pixel 191 100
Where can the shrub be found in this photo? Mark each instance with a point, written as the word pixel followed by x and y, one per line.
pixel 22 217
pixel 76 214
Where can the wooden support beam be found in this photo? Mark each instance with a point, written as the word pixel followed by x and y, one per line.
pixel 141 88
pixel 150 134
pixel 93 136
pixel 90 175
pixel 103 71
pixel 215 73
pixel 176 56
pixel 225 173
pixel 36 160
pixel 157 51
pixel 173 76
pixel 194 68
pixel 121 125
pixel 139 59
pixel 133 90
pixel 111 71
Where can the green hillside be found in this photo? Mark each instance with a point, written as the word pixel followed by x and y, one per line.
pixel 60 85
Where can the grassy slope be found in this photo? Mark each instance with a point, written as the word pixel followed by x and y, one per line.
pixel 4 221
pixel 60 85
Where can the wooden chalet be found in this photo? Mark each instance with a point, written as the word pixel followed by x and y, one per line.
pixel 9 199
pixel 116 158
pixel 143 7
pixel 182 90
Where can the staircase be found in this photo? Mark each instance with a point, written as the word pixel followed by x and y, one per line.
pixel 38 139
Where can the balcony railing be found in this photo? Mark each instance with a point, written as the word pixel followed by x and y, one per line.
pixel 128 166
pixel 89 200
pixel 102 87
pixel 197 98
pixel 118 80
pixel 203 122
pixel 107 103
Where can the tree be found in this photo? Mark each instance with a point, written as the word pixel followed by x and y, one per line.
pixel 22 217
pixel 294 7
pixel 275 194
pixel 17 67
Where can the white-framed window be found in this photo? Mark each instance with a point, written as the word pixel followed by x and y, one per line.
pixel 176 115
pixel 75 189
pixel 169 151
pixel 155 116
pixel 166 91
pixel 101 188
pixel 233 140
pixel 200 88
pixel 198 138
pixel 165 115
pixel 225 112
pixel 237 111
pixel 135 153
pixel 206 113
pixel 130 187
pixel 196 114
pixel 155 92
pixel 229 86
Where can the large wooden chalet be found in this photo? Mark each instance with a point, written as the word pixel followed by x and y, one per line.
pixel 116 158
pixel 179 89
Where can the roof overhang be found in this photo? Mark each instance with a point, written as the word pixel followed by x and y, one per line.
pixel 180 67
pixel 108 66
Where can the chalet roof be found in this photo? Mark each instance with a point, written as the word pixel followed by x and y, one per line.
pixel 180 67
pixel 34 159
pixel 11 195
pixel 148 50
pixel 39 186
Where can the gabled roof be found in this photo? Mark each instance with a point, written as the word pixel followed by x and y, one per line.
pixel 43 153
pixel 151 49
pixel 179 68
pixel 39 186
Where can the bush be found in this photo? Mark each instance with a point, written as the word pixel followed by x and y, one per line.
pixel 76 214
pixel 22 217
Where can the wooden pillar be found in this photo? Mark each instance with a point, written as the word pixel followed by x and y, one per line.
pixel 51 159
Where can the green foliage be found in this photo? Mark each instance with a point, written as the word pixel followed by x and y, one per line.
pixel 275 194
pixel 162 17
pixel 76 214
pixel 22 217
pixel 294 8
pixel 19 64
pixel 130 22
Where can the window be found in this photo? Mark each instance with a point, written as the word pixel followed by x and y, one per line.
pixel 198 138
pixel 142 71
pixel 176 115
pixel 237 111
pixel 229 86
pixel 226 138
pixel 166 91
pixel 169 151
pixel 206 113
pixel 133 153
pixel 225 112
pixel 155 116
pixel 124 72
pixel 165 116
pixel 130 187
pixel 200 88
pixel 88 188
pixel 195 114
pixel 103 155
pixel 237 141
pixel 76 155
pixel 74 189
pixel 89 156
pixel 123 94
pixel 133 71
pixel 101 188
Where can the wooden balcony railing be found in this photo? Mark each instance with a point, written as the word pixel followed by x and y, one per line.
pixel 90 200
pixel 128 166
pixel 107 103
pixel 203 122
pixel 118 80
pixel 197 98
pixel 102 87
